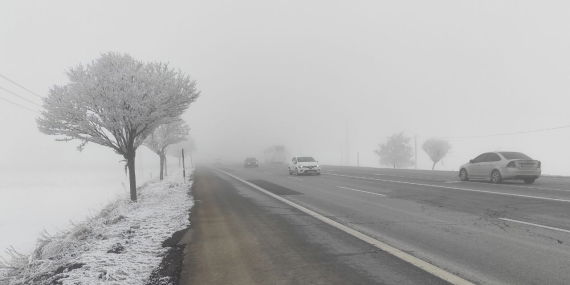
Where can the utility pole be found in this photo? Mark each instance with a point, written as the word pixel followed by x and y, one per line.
pixel 416 151
pixel 358 159
pixel 183 166
pixel 347 145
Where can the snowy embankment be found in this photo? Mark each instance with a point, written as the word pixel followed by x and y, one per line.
pixel 121 245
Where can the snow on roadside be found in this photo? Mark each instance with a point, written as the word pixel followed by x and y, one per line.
pixel 121 245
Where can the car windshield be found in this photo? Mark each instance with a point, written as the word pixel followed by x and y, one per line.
pixel 514 155
pixel 305 159
pixel 249 159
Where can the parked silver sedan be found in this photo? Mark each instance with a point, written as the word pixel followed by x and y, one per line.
pixel 502 165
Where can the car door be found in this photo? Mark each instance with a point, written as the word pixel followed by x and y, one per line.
pixel 490 163
pixel 477 167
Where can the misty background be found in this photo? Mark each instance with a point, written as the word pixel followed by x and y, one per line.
pixel 328 79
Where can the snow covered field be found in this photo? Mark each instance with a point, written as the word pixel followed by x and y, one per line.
pixel 33 201
pixel 121 245
pixel 50 198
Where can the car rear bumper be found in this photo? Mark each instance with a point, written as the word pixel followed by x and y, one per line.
pixel 516 173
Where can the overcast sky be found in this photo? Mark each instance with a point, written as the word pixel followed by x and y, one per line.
pixel 307 73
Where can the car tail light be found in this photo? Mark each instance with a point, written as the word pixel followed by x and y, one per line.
pixel 511 164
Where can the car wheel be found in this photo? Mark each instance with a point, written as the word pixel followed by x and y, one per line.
pixel 463 175
pixel 496 177
pixel 529 180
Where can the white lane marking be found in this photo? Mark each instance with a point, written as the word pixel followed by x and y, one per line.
pixel 357 190
pixel 465 182
pixel 408 177
pixel 401 176
pixel 501 185
pixel 453 188
pixel 428 267
pixel 514 186
pixel 524 187
pixel 536 225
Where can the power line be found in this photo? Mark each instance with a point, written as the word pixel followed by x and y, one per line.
pixel 20 96
pixel 20 85
pixel 19 105
pixel 512 133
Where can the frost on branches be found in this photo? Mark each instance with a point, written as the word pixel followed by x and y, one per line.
pixel 116 101
pixel 164 136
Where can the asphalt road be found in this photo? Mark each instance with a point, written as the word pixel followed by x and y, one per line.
pixel 240 236
pixel 489 234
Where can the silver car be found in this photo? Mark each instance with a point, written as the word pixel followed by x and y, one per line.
pixel 502 165
pixel 304 165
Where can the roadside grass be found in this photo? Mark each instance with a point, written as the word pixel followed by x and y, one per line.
pixel 122 244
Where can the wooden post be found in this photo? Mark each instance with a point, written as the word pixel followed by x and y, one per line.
pixel 183 165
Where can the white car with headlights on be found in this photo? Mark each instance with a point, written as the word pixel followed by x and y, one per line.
pixel 301 165
pixel 501 165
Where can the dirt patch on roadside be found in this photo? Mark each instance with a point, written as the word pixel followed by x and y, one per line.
pixel 274 188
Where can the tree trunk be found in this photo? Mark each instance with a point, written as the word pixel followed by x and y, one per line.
pixel 394 165
pixel 132 175
pixel 161 155
pixel 433 166
pixel 165 166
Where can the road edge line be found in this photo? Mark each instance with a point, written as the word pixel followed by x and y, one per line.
pixel 451 188
pixel 535 225
pixel 424 265
pixel 362 191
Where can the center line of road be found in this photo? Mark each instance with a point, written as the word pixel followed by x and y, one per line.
pixel 357 190
pixel 424 265
pixel 452 188
pixel 536 225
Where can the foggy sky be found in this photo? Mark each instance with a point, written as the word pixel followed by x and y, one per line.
pixel 307 73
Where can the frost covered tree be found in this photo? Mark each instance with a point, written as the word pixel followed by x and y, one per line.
pixel 436 149
pixel 116 101
pixel 396 152
pixel 164 136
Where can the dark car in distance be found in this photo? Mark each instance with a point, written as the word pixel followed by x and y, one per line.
pixel 251 162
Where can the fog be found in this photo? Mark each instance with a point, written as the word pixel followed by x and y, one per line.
pixel 324 78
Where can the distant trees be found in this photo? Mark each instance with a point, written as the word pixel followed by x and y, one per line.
pixel 276 154
pixel 116 101
pixel 396 152
pixel 436 149
pixel 164 136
